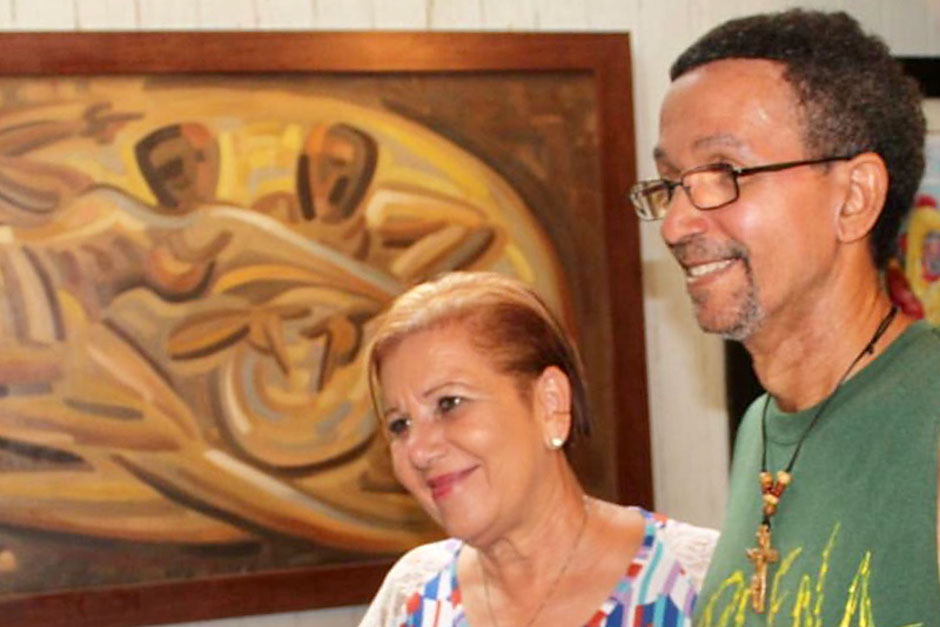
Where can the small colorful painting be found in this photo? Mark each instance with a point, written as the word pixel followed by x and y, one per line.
pixel 913 277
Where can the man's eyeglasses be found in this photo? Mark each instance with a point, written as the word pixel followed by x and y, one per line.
pixel 707 186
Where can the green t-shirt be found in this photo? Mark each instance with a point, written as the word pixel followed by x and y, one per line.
pixel 857 527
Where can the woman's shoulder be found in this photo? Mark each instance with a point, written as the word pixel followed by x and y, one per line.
pixel 428 558
pixel 691 545
pixel 408 575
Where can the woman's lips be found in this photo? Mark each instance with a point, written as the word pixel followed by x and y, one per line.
pixel 442 485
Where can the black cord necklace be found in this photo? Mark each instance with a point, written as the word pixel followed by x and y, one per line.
pixel 772 489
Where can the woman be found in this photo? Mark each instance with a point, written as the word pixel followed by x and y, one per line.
pixel 479 392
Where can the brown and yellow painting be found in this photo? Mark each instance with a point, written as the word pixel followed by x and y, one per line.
pixel 190 269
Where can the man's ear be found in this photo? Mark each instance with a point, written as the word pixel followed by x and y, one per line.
pixel 868 187
pixel 552 396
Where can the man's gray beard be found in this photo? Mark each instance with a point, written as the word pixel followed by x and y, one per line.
pixel 747 323
pixel 749 315
pixel 746 320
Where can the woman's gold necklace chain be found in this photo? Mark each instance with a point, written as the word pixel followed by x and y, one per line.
pixel 548 593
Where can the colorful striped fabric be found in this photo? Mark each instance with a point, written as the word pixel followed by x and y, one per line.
pixel 653 592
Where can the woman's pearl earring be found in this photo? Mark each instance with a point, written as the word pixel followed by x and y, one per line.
pixel 556 442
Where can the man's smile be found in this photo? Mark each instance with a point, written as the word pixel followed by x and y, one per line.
pixel 699 271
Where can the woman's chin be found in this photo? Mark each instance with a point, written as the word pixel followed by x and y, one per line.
pixel 466 526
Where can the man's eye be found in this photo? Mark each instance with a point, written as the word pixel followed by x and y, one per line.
pixel 399 426
pixel 446 404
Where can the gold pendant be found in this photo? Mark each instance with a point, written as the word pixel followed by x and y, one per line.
pixel 762 556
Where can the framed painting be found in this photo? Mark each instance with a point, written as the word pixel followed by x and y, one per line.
pixel 198 232
pixel 912 275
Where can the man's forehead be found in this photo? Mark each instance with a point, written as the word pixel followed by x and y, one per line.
pixel 745 69
pixel 728 104
pixel 707 142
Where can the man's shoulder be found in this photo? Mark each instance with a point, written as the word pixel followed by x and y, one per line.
pixel 906 382
pixel 933 335
pixel 916 358
pixel 750 426
pixel 924 337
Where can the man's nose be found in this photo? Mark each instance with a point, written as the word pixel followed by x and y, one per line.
pixel 683 219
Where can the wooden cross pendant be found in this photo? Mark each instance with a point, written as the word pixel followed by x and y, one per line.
pixel 762 556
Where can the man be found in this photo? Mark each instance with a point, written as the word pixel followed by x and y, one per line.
pixel 790 147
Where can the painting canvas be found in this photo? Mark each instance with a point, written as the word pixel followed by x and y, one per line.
pixel 192 265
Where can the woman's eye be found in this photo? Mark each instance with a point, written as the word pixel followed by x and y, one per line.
pixel 399 426
pixel 446 404
pixel 449 403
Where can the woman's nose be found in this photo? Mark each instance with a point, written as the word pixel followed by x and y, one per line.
pixel 426 443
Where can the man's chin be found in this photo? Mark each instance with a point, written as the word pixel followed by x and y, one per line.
pixel 737 326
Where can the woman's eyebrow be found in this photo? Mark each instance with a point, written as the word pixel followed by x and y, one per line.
pixel 437 387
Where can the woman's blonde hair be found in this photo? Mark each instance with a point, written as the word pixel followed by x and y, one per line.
pixel 508 322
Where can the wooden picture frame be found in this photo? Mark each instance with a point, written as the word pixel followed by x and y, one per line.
pixel 605 307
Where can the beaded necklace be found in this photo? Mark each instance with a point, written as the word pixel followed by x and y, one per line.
pixel 772 489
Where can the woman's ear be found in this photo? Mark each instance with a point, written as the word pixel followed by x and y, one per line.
pixel 868 188
pixel 552 396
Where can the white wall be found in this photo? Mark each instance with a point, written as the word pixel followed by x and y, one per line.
pixel 686 381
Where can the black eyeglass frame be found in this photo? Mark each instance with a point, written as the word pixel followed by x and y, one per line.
pixel 644 211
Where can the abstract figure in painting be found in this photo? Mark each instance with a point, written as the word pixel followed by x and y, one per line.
pixel 185 301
